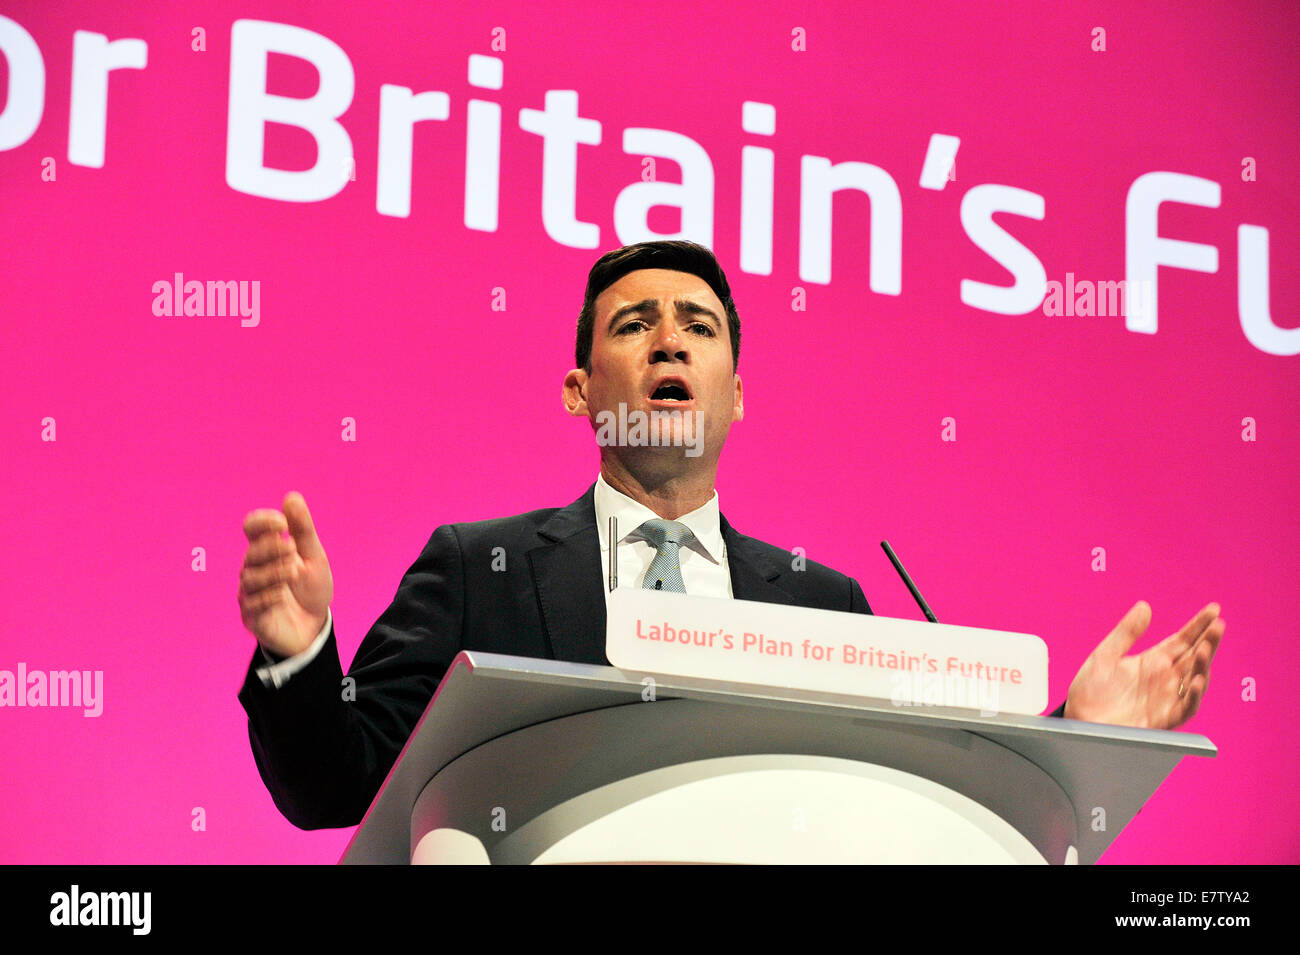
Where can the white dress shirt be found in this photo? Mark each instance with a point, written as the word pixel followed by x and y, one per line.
pixel 704 560
pixel 705 571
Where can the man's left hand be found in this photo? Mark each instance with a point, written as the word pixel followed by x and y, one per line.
pixel 1158 689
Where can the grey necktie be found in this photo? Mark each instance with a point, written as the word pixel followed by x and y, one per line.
pixel 665 571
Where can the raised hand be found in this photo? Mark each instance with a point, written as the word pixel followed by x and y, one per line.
pixel 285 585
pixel 1158 689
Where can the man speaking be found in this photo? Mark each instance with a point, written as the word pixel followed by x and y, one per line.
pixel 658 343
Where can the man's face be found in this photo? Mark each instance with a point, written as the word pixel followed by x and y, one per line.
pixel 660 343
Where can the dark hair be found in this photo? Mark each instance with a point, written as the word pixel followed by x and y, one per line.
pixel 674 254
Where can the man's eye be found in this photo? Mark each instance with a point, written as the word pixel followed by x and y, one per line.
pixel 631 324
pixel 707 329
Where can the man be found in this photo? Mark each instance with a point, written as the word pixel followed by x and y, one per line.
pixel 658 338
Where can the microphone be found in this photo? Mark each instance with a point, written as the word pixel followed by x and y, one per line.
pixel 613 554
pixel 898 566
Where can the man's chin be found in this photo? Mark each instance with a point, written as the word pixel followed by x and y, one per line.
pixel 661 463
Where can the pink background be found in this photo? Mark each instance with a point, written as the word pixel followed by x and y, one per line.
pixel 1073 433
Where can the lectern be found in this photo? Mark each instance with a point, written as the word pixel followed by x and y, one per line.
pixel 520 760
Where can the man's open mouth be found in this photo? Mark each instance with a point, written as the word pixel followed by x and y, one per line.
pixel 671 389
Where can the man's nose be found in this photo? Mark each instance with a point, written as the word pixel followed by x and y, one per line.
pixel 669 343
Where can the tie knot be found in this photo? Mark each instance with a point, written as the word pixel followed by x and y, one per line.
pixel 660 532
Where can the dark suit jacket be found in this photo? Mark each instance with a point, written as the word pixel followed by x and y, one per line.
pixel 323 758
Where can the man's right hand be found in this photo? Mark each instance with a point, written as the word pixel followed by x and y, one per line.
pixel 285 586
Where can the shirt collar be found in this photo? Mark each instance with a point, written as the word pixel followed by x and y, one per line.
pixel 703 521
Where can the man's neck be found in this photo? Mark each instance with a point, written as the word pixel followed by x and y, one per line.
pixel 669 496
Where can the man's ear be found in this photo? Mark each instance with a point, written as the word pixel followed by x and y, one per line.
pixel 738 407
pixel 575 393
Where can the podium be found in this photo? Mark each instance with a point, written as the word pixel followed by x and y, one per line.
pixel 520 760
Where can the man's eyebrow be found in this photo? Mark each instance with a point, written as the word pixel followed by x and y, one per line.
pixel 652 305
pixel 694 308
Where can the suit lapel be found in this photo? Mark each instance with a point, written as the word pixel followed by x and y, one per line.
pixel 753 573
pixel 568 577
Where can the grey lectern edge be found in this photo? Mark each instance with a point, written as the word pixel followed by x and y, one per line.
pixel 486 695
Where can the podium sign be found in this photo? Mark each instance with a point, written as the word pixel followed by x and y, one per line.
pixel 904 662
